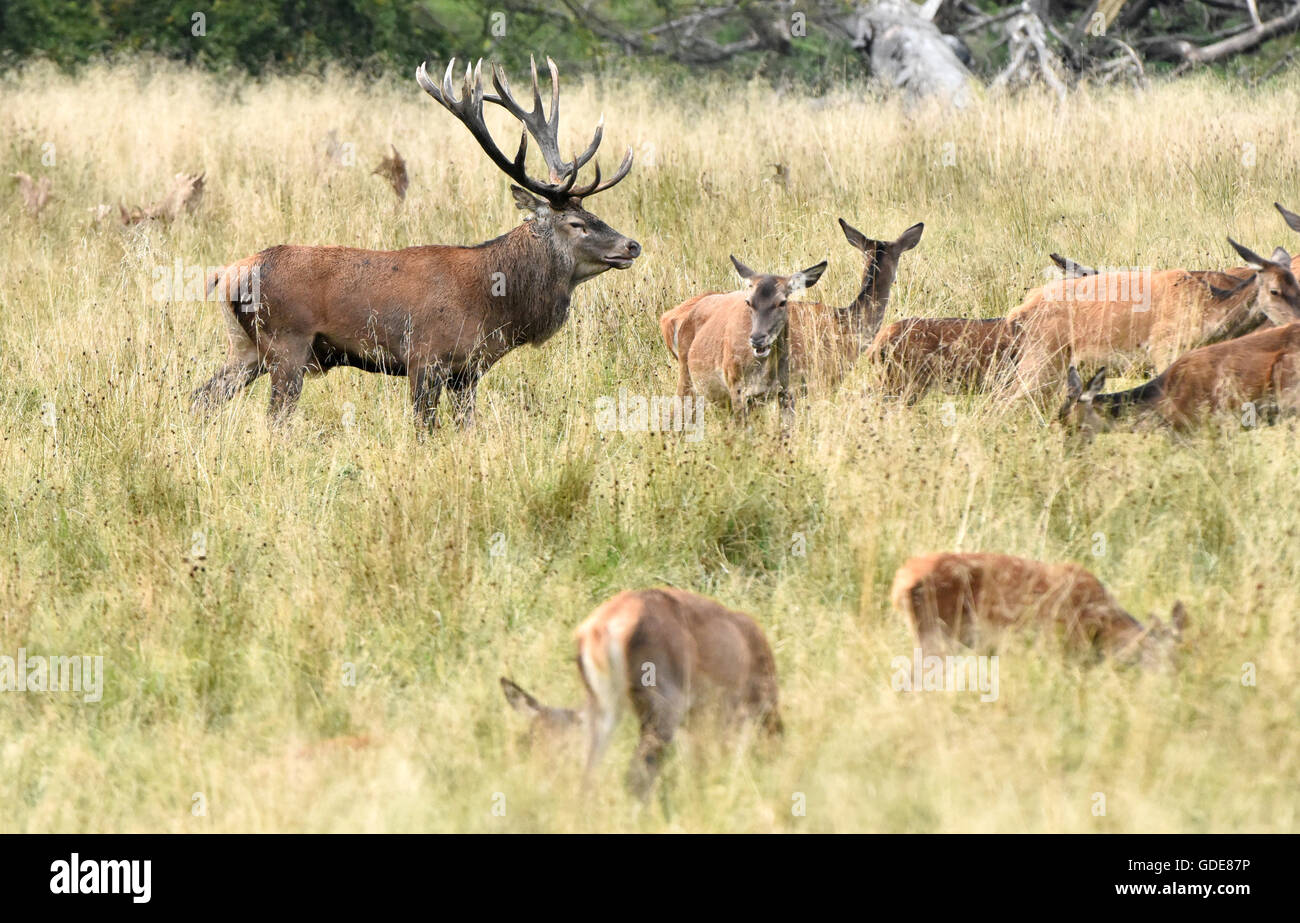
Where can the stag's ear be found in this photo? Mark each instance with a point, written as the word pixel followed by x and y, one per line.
pixel 1291 218
pixel 1281 257
pixel 744 271
pixel 1094 386
pixel 518 699
pixel 807 278
pixel 526 201
pixel 1178 618
pixel 855 237
pixel 909 238
pixel 1253 259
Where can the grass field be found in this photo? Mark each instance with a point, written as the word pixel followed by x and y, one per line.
pixel 345 546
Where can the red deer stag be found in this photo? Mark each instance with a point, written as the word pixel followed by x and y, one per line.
pixel 1257 374
pixel 668 654
pixel 1144 316
pixel 441 315
pixel 972 598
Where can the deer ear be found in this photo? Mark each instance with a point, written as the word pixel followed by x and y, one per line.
pixel 1253 259
pixel 1095 384
pixel 518 699
pixel 1281 257
pixel 854 236
pixel 526 201
pixel 741 269
pixel 909 238
pixel 1073 384
pixel 808 277
pixel 1291 218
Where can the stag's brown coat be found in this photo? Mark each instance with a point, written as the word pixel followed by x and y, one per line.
pixel 441 315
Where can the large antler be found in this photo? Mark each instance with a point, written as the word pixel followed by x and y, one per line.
pixel 469 110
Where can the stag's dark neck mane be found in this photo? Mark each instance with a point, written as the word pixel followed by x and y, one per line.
pixel 530 299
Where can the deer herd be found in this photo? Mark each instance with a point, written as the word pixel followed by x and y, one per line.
pixel 443 315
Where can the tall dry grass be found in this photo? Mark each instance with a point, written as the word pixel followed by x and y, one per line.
pixel 348 544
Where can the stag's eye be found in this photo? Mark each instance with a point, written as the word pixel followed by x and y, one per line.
pixel 578 226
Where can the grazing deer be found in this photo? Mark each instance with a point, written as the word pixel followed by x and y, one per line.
pixel 393 169
pixel 1144 316
pixel 735 347
pixel 440 315
pixel 1258 373
pixel 971 598
pixel 185 194
pixel 668 654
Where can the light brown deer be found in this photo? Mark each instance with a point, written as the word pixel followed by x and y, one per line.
pixel 1257 374
pixel 440 315
pixel 823 342
pixel 972 598
pixel 1140 316
pixel 667 654
pixel 734 347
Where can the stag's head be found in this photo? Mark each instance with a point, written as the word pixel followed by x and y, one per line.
pixel 768 298
pixel 1279 293
pixel 583 243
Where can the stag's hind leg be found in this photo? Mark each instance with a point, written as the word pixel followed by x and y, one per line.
pixel 228 381
pixel 660 709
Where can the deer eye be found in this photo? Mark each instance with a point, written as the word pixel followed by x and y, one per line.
pixel 578 226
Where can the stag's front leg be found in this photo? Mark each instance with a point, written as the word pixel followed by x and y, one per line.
pixel 426 390
pixel 463 389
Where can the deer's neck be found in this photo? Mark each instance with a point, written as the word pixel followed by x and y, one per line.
pixel 1232 316
pixel 529 282
pixel 861 320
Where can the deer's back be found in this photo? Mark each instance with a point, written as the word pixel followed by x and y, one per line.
pixel 689 638
pixel 1115 314
pixel 1222 376
pixel 996 591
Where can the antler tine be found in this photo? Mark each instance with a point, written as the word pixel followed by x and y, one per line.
pixel 469 110
pixel 544 129
pixel 596 185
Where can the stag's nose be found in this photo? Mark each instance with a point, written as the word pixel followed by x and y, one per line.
pixel 633 248
pixel 758 340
